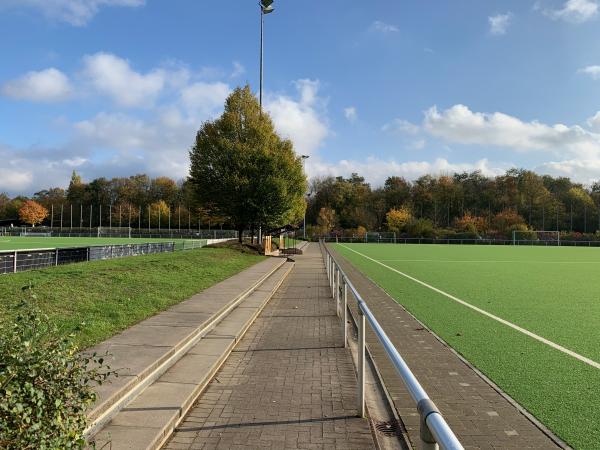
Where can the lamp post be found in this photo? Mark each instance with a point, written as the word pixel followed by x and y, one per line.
pixel 266 7
pixel 304 158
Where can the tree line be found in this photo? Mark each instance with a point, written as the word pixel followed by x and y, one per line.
pixel 138 200
pixel 444 205
pixel 242 176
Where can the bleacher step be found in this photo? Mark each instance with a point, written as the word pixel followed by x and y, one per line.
pixel 149 419
pixel 145 351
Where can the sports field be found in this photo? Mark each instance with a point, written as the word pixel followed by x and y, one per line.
pixel 527 317
pixel 38 242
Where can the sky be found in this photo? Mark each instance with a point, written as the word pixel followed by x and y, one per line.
pixel 397 87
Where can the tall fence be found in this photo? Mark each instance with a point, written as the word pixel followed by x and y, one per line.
pixel 456 241
pixel 115 232
pixel 23 260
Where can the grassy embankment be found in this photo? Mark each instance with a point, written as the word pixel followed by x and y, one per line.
pixel 109 296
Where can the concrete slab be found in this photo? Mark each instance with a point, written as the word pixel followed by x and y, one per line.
pixel 178 319
pixel 190 369
pixel 126 438
pixel 212 346
pixel 233 324
pixel 157 336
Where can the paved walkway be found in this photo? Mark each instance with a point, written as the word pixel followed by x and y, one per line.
pixel 479 415
pixel 289 383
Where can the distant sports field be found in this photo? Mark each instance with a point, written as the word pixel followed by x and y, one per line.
pixel 527 317
pixel 37 242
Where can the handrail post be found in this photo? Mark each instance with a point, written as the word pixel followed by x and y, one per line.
pixel 337 291
pixel 361 363
pixel 332 280
pixel 426 407
pixel 345 315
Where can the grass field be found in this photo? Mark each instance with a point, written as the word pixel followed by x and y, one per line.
pixel 551 292
pixel 37 242
pixel 111 295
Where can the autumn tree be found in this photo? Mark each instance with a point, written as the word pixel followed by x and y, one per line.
pixel 32 213
pixel 159 214
pixel 327 220
pixel 245 170
pixel 398 219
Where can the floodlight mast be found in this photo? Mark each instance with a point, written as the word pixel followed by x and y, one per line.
pixel 266 7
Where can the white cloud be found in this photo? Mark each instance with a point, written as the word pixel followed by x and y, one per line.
pixel 401 126
pixel 49 85
pixel 574 11
pixel 114 77
pixel 594 122
pixel 350 113
pixel 500 23
pixel 460 125
pixel 383 27
pixel 74 12
pixel 376 170
pixel 238 70
pixel 204 99
pixel 592 71
pixel 303 120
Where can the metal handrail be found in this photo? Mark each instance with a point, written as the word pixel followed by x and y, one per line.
pixel 434 428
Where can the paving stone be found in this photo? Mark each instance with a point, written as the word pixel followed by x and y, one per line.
pixel 289 383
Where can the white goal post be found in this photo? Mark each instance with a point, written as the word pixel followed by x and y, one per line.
pixel 536 235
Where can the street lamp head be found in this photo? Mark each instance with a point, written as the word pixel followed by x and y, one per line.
pixel 267 6
pixel 305 156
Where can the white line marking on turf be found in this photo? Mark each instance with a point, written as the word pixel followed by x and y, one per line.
pixel 488 261
pixel 549 343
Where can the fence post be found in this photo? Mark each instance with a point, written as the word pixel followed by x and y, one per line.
pixel 345 315
pixel 15 262
pixel 361 363
pixel 56 257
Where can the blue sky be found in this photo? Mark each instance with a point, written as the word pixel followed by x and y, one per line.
pixel 118 87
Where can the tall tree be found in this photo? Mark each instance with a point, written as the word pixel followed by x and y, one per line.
pixel 244 169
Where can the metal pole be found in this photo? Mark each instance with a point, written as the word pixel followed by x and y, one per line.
pixel 361 363
pixel 61 215
pixel 52 217
pixel 337 291
pixel 345 315
pixel 262 21
pixel 110 217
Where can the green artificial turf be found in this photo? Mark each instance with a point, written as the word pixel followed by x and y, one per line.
pixel 39 242
pixel 110 296
pixel 551 291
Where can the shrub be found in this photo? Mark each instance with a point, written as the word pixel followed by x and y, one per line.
pixel 508 220
pixel 421 228
pixel 46 385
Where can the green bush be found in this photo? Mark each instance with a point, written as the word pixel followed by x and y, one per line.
pixel 421 228
pixel 46 385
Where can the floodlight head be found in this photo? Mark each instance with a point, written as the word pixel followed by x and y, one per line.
pixel 267 6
